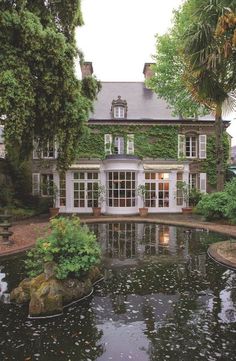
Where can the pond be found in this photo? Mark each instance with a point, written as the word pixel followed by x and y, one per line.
pixel 162 299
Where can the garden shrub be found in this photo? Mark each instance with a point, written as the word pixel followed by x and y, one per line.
pixel 213 206
pixel 230 189
pixel 70 245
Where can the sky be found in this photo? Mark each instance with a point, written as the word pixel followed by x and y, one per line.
pixel 119 37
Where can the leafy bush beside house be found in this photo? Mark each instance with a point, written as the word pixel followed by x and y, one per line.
pixel 220 204
pixel 72 247
pixel 213 206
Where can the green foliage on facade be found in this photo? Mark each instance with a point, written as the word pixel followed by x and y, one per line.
pixel 72 247
pixel 209 165
pixel 150 141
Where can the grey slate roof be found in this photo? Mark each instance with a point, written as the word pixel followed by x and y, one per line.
pixel 142 103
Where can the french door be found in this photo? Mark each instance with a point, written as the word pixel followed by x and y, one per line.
pixel 84 185
pixel 158 190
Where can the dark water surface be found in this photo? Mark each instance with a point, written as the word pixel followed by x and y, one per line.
pixel 162 299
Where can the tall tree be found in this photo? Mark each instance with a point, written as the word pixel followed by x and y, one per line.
pixel 200 76
pixel 212 75
pixel 39 94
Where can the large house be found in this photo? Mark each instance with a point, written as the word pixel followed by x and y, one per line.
pixel 134 140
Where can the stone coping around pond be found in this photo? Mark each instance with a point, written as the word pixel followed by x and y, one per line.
pixel 26 232
pixel 224 253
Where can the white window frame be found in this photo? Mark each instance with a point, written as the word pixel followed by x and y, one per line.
pixel 119 112
pixel 202 146
pixel 203 182
pixel 181 145
pixel 119 145
pixel 46 192
pixel 192 138
pixel 36 184
pixel 49 150
pixel 39 153
pixel 107 144
pixel 130 144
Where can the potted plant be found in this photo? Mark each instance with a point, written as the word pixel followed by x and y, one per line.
pixel 142 191
pixel 53 210
pixel 183 187
pixel 99 197
pixel 51 190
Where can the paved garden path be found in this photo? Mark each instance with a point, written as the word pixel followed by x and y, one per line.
pixel 26 232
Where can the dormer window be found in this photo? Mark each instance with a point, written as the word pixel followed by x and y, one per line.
pixel 119 108
pixel 119 112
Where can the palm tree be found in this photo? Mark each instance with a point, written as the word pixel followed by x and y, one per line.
pixel 211 76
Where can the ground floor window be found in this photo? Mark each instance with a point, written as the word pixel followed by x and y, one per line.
pixel 121 189
pixel 62 187
pixel 157 186
pixel 47 185
pixel 179 192
pixel 193 181
pixel 85 184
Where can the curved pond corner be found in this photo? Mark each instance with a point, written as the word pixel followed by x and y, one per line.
pixel 224 253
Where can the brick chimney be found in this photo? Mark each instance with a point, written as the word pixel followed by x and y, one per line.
pixel 147 71
pixel 86 69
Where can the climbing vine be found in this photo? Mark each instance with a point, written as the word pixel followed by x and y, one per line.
pixel 209 165
pixel 150 141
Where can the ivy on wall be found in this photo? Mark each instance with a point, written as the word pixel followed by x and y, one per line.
pixel 209 165
pixel 150 141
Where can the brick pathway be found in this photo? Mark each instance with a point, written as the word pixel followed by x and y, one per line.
pixel 27 231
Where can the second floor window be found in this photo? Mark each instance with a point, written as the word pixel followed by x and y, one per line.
pixel 118 144
pixel 190 146
pixel 48 151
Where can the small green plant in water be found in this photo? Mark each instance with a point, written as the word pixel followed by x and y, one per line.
pixel 71 246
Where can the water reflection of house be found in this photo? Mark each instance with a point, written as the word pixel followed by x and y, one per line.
pixel 134 241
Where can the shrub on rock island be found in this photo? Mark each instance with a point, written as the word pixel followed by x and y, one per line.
pixel 72 247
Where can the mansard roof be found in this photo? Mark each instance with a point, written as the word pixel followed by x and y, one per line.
pixel 143 104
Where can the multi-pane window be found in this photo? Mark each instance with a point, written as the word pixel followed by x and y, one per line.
pixel 48 150
pixel 47 185
pixel 92 186
pixel 191 146
pixel 62 184
pixel 85 185
pixel 119 112
pixel 163 193
pixel 179 192
pixel 119 145
pixel 157 186
pixel 121 188
pixel 193 180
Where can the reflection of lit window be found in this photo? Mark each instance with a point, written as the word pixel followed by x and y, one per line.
pixel 164 236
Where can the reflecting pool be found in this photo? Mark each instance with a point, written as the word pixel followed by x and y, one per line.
pixel 162 299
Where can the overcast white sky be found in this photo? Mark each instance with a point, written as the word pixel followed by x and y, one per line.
pixel 119 37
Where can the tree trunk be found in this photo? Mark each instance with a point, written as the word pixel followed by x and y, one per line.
pixel 220 172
